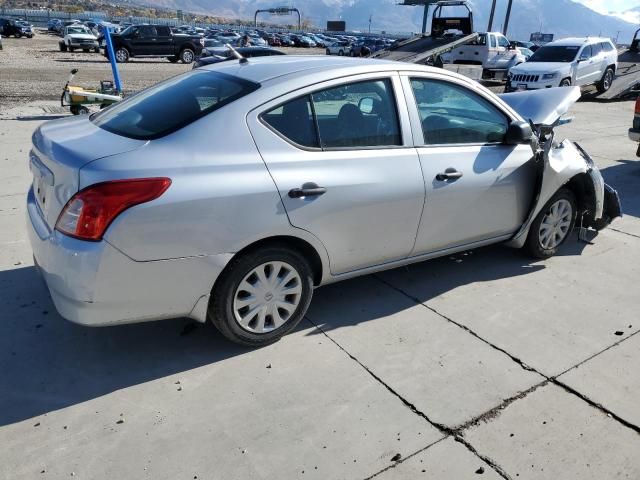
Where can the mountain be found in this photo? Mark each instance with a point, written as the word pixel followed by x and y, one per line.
pixel 560 17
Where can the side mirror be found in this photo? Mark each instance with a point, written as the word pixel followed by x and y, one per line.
pixel 366 105
pixel 583 58
pixel 518 133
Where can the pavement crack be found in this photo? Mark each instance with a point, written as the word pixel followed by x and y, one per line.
pixel 624 233
pixel 488 460
pixel 596 405
pixel 459 325
pixel 441 427
pixel 404 459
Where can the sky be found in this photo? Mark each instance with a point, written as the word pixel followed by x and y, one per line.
pixel 606 6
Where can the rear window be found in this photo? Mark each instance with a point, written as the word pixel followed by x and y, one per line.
pixel 172 104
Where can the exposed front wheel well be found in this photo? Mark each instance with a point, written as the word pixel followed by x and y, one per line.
pixel 582 187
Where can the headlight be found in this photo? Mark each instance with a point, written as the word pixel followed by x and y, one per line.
pixel 548 76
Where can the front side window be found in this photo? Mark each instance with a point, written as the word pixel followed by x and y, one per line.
pixel 452 114
pixel 172 104
pixel 355 115
pixel 494 44
pixel 595 49
pixel 503 42
pixel 586 52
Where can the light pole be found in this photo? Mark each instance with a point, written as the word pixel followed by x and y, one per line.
pixel 369 24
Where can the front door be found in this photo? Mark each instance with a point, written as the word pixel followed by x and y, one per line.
pixel 342 160
pixel 477 188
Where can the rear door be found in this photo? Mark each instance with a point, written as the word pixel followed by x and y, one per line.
pixel 477 188
pixel 342 158
pixel 163 43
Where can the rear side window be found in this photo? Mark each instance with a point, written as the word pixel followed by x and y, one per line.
pixel 596 48
pixel 355 115
pixel 294 120
pixel 607 47
pixel 172 104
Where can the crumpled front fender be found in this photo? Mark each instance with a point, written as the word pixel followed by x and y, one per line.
pixel 568 163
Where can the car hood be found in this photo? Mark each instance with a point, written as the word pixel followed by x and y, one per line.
pixel 541 67
pixel 544 106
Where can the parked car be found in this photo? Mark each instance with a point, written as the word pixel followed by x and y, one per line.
pixel 274 41
pixel 52 24
pixel 155 41
pixel 15 28
pixel 572 61
pixel 228 194
pixel 78 37
pixel 341 48
pixel 221 54
pixel 286 41
pixel 634 131
pixel 27 28
pixel 302 41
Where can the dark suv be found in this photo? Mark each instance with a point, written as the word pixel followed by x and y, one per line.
pixel 16 28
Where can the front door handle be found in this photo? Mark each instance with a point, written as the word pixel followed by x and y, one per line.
pixel 448 174
pixel 309 189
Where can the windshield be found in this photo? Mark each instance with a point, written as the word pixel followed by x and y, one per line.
pixel 77 30
pixel 565 54
pixel 172 104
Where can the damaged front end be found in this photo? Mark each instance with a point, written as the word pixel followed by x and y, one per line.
pixel 561 164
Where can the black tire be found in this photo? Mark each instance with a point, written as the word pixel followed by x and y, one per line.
pixel 122 55
pixel 328 52
pixel 221 312
pixel 173 59
pixel 533 244
pixel 86 50
pixel 566 82
pixel 341 53
pixel 75 109
pixel 605 82
pixel 63 46
pixel 71 49
pixel 96 50
pixel 187 55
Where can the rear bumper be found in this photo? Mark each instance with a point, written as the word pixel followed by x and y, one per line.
pixel 93 283
pixel 634 135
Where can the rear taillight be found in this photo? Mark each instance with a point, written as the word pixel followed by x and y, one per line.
pixel 88 214
pixel 638 106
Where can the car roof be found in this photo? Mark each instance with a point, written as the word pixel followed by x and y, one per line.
pixel 265 69
pixel 576 41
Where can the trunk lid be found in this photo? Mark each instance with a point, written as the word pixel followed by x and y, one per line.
pixel 60 149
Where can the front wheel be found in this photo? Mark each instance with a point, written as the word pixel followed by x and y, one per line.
pixel 553 225
pixel 607 79
pixel 261 296
pixel 187 55
pixel 565 82
pixel 122 55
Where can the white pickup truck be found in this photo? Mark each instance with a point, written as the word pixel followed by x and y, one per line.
pixel 492 51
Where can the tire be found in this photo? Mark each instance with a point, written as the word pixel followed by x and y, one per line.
pixel 328 52
pixel 543 240
pixel 187 55
pixel 75 109
pixel 605 82
pixel 173 59
pixel 225 313
pixel 63 46
pixel 96 50
pixel 71 49
pixel 341 53
pixel 566 82
pixel 122 55
pixel 86 50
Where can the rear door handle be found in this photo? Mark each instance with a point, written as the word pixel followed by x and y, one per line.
pixel 448 174
pixel 309 189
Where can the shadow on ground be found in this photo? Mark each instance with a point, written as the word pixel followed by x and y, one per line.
pixel 48 363
pixel 625 178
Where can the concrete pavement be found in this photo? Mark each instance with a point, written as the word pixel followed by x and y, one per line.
pixel 480 365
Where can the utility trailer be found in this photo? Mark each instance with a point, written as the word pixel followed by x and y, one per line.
pixel 627 80
pixel 447 33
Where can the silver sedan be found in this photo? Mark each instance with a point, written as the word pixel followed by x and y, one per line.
pixel 230 192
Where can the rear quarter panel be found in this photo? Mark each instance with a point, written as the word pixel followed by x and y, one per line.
pixel 221 199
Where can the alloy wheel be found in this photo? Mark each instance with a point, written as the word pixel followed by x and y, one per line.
pixel 606 83
pixel 121 56
pixel 555 224
pixel 267 297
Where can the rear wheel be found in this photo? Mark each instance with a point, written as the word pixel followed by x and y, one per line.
pixel 261 296
pixel 187 55
pixel 607 79
pixel 63 46
pixel 96 50
pixel 553 225
pixel 71 49
pixel 566 82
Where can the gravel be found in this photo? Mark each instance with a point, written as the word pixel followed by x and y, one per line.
pixel 33 70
